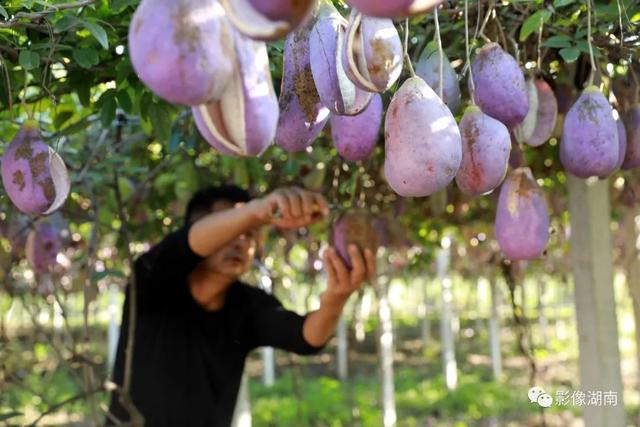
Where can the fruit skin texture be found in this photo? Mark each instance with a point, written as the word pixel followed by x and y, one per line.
pixel 486 145
pixel 428 67
pixel 326 42
pixel 393 8
pixel 29 173
pixel 181 49
pixel 547 115
pixel 267 20
pixel 302 114
pixel 622 141
pixel 632 125
pixel 589 145
pixel 522 219
pixel 500 88
pixel 423 148
pixel 353 227
pixel 372 52
pixel 244 121
pixel 43 245
pixel 355 137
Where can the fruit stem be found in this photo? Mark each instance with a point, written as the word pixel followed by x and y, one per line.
pixel 472 86
pixel 539 62
pixel 406 48
pixel 441 52
pixel 590 41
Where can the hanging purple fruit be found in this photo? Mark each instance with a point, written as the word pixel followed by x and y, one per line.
pixel 43 245
pixel 353 227
pixel 428 67
pixel 372 52
pixel 355 137
pixel 181 49
pixel 423 149
pixel 267 20
pixel 326 42
pixel 622 141
pixel 589 145
pixel 302 114
pixel 522 218
pixel 500 88
pixel 33 174
pixel 243 122
pixel 393 8
pixel 546 116
pixel 632 125
pixel 486 145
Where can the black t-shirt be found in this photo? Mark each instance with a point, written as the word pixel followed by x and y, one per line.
pixel 187 361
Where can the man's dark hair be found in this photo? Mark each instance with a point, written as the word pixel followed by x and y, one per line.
pixel 202 202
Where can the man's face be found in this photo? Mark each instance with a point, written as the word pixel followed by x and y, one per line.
pixel 234 259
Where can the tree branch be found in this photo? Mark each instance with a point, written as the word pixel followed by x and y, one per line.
pixel 37 16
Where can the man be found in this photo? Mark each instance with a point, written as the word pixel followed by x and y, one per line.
pixel 196 322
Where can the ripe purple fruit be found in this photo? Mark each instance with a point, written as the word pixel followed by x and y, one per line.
pixel 428 67
pixel 34 176
pixel 302 114
pixel 632 125
pixel 353 227
pixel 267 19
pixel 244 121
pixel 423 149
pixel 355 137
pixel 500 88
pixel 589 145
pixel 43 245
pixel 394 8
pixel 622 142
pixel 546 116
pixel 372 52
pixel 522 219
pixel 181 49
pixel 486 145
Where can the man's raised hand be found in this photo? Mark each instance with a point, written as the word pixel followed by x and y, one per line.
pixel 342 282
pixel 290 207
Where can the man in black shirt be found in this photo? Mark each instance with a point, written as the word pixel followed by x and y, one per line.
pixel 196 322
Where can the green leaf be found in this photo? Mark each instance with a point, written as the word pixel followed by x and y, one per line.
pixel 569 54
pixel 85 57
pixel 124 100
pixel 4 13
pixel 532 23
pixel 65 24
pixel 583 46
pixel 557 41
pixel 117 5
pixel 561 3
pixel 108 112
pixel 160 121
pixel 62 118
pixel 98 32
pixel 99 275
pixel 28 59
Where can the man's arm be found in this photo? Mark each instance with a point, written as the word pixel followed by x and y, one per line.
pixel 321 324
pixel 297 208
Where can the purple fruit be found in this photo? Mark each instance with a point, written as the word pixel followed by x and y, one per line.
pixel 326 42
pixel 355 137
pixel 394 8
pixel 428 67
pixel 244 121
pixel 267 19
pixel 43 245
pixel 522 219
pixel 486 145
pixel 622 142
pixel 500 89
pixel 372 52
pixel 589 145
pixel 34 176
pixel 353 227
pixel 632 125
pixel 302 115
pixel 423 150
pixel 182 49
pixel 547 115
